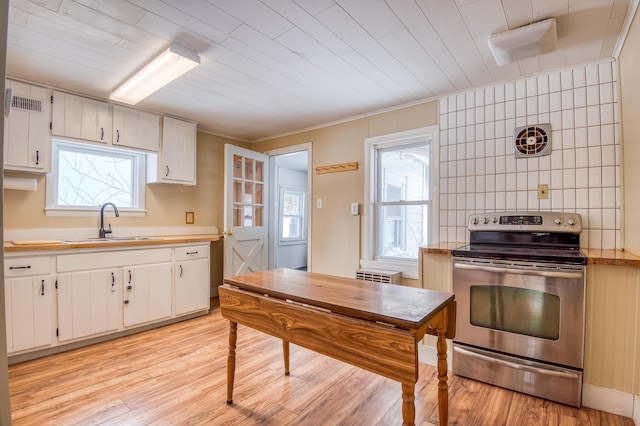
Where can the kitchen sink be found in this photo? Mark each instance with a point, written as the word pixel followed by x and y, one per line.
pixel 108 240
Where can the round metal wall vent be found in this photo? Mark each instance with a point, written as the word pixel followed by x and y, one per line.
pixel 532 141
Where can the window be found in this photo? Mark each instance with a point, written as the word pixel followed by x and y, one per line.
pixel 399 215
pixel 85 176
pixel 292 202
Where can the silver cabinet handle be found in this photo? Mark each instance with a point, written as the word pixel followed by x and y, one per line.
pixel 37 158
pixel 166 173
pixel 42 288
pixel 180 270
pixel 529 368
pixel 113 280
pixel 192 252
pixel 504 270
pixel 117 135
pixel 20 267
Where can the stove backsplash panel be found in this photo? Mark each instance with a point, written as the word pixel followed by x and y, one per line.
pixel 479 172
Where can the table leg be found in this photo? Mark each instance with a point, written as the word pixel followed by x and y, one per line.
pixel 231 360
pixel 443 388
pixel 408 404
pixel 285 353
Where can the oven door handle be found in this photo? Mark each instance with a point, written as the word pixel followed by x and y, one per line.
pixel 528 368
pixel 502 270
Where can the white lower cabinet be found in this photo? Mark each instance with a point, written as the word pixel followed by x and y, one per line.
pixel 191 278
pixel 29 296
pixel 88 303
pixel 146 293
pixel 82 294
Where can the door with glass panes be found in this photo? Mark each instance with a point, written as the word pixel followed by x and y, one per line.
pixel 245 218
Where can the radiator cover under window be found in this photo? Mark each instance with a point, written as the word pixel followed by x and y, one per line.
pixel 379 276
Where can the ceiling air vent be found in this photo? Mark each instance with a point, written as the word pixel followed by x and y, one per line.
pixel 27 104
pixel 532 141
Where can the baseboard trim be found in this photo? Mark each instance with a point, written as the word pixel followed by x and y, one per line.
pixel 596 397
pixel 611 400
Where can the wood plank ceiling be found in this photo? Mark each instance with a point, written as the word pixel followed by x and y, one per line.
pixel 270 67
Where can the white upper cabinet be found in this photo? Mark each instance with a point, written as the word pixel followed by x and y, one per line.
pixel 81 118
pixel 136 129
pixel 26 131
pixel 176 162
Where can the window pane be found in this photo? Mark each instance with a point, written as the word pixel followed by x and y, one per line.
pixel 88 178
pixel 291 204
pixel 404 173
pixel 291 227
pixel 402 230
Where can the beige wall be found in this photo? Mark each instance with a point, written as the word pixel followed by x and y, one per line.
pixel 166 204
pixel 630 117
pixel 336 235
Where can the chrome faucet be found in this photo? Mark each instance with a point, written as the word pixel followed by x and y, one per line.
pixel 104 232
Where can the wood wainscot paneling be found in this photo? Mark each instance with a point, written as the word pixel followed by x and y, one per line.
pixel 435 274
pixel 612 355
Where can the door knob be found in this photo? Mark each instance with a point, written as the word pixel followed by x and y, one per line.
pixel 227 233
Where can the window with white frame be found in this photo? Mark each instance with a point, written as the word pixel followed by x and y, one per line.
pixel 400 215
pixel 292 202
pixel 85 176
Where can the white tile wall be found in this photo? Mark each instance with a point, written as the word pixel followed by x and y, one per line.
pixel 478 169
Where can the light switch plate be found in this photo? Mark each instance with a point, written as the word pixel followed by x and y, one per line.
pixel 319 203
pixel 543 191
pixel 354 209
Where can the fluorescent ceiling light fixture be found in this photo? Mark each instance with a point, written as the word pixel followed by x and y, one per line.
pixel 524 42
pixel 162 70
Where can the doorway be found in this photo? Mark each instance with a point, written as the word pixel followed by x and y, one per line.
pixel 290 219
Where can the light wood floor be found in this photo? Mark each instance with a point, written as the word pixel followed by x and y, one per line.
pixel 177 375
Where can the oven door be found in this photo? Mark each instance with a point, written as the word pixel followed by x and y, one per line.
pixel 527 309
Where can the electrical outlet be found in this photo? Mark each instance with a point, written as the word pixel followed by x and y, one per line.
pixel 543 191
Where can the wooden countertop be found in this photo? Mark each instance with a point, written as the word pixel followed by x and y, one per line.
pixel 594 256
pixel 19 246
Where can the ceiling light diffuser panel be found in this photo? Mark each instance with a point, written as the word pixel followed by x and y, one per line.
pixel 166 67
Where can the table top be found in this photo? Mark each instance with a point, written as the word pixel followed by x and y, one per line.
pixel 404 307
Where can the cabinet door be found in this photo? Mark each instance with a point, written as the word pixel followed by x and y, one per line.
pixel 27 144
pixel 97 121
pixel 80 118
pixel 28 304
pixel 192 285
pixel 136 129
pixel 147 293
pixel 177 160
pixel 148 136
pixel 88 303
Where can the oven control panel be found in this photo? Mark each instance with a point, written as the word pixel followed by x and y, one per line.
pixel 526 221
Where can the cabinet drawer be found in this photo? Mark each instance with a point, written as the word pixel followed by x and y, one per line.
pixel 191 252
pixel 24 266
pixel 112 259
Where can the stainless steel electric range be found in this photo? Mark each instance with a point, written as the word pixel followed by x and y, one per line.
pixel 520 289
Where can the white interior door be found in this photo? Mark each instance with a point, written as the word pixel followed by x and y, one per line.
pixel 245 211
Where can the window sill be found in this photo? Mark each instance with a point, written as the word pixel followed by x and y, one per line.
pixel 409 268
pixel 92 212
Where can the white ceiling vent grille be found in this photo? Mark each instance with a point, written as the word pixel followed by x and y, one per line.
pixel 27 104
pixel 532 141
pixel 379 276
